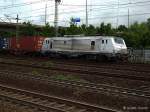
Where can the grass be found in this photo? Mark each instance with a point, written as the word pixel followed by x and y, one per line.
pixel 67 77
pixel 35 72
pixel 48 64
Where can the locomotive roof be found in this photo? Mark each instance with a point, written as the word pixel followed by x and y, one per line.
pixel 88 37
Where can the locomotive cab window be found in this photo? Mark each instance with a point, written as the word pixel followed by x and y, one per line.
pixel 51 45
pixel 106 41
pixel 118 41
pixel 102 41
pixel 47 42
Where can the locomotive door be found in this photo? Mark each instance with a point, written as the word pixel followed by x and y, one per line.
pixel 48 44
pixel 51 45
pixel 92 45
pixel 103 45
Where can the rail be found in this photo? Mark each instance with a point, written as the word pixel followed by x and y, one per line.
pixel 47 103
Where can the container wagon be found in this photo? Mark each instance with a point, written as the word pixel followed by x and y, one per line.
pixel 26 44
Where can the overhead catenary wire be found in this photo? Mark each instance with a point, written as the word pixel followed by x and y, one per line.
pixel 2 20
pixel 107 16
pixel 35 10
pixel 102 7
pixel 102 17
pixel 68 12
pixel 93 9
pixel 21 4
pixel 109 5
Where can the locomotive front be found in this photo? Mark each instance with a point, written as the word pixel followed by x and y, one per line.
pixel 120 48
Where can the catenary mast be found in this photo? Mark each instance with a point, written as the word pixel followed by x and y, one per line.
pixel 86 13
pixel 56 17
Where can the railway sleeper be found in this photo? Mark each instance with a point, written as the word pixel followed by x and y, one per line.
pixel 31 100
pixel 51 103
pixel 44 102
pixel 60 105
pixel 27 98
pixel 83 110
pixel 70 108
pixel 36 100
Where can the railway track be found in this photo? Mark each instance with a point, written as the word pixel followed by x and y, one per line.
pixel 99 88
pixel 86 70
pixel 42 102
pixel 116 67
pixel 141 68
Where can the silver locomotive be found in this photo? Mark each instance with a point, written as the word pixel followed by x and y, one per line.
pixel 97 47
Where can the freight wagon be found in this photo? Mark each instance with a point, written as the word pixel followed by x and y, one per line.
pixel 25 45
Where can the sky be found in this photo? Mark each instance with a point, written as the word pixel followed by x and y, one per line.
pixel 108 11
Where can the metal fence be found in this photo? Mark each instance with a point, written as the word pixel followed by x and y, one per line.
pixel 139 55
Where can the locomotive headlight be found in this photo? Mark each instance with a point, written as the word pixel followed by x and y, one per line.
pixel 123 51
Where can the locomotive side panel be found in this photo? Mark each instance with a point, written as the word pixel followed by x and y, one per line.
pixel 82 45
pixel 106 45
pixel 62 44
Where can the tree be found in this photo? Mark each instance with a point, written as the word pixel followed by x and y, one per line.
pixel 62 31
pixel 148 23
pixel 122 28
pixel 28 30
pixel 72 30
pixel 102 29
pixel 91 31
pixel 145 40
pixel 108 29
pixel 105 29
pixel 48 31
pixel 83 29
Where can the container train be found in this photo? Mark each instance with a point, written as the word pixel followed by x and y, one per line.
pixel 96 47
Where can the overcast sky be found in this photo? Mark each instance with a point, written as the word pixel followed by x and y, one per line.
pixel 107 11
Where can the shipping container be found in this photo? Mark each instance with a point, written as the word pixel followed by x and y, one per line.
pixel 1 43
pixel 26 44
pixel 4 43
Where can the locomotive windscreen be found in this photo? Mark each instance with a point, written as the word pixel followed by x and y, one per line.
pixel 119 40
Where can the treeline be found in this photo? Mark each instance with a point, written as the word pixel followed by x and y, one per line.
pixel 137 35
